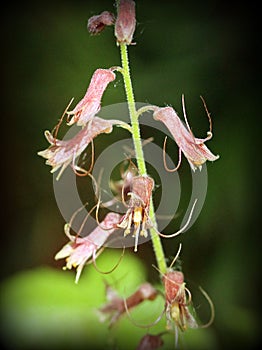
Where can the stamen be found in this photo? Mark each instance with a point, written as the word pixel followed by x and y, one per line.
pixel 164 158
pixel 184 227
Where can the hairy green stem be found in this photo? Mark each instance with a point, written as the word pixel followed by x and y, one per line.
pixel 158 249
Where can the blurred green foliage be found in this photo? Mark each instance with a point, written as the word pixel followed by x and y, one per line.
pixel 46 309
pixel 205 48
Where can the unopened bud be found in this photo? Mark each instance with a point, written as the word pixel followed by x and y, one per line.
pixel 125 22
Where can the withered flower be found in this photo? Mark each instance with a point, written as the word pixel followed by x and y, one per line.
pixel 178 298
pixel 136 218
pixel 193 148
pixel 63 152
pixel 125 22
pixel 97 23
pixel 80 250
pixel 90 105
pixel 117 306
pixel 179 301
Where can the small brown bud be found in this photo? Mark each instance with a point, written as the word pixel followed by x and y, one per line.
pixel 97 23
pixel 125 22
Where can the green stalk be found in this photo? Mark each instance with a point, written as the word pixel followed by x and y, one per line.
pixel 158 249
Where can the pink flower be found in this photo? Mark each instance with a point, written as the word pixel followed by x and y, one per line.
pixel 80 250
pixel 63 152
pixel 89 106
pixel 125 22
pixel 97 23
pixel 137 215
pixel 193 148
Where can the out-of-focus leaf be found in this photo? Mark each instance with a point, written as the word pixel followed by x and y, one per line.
pixel 44 308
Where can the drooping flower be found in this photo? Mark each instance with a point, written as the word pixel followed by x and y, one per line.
pixel 193 148
pixel 80 250
pixel 178 305
pixel 125 22
pixel 136 218
pixel 178 299
pixel 118 306
pixel 90 104
pixel 97 23
pixel 61 153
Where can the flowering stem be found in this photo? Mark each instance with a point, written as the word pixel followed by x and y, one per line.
pixel 158 249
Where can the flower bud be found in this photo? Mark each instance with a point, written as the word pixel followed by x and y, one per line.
pixel 125 22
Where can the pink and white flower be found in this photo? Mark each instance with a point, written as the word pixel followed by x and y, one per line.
pixel 193 148
pixel 80 250
pixel 61 153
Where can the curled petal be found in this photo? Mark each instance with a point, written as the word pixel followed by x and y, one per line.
pixel 182 228
pixel 112 269
pixel 212 308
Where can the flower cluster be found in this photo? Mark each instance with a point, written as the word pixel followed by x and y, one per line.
pixel 136 188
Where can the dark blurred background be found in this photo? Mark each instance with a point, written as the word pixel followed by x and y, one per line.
pixel 207 48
